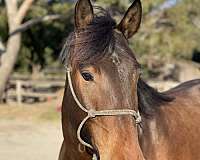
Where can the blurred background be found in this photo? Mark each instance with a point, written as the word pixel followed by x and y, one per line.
pixel 32 78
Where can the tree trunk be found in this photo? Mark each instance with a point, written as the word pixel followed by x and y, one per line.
pixel 8 59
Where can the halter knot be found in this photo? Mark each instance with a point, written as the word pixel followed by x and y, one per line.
pixel 91 113
pixel 138 118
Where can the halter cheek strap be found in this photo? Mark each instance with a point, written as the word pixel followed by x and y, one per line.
pixel 93 113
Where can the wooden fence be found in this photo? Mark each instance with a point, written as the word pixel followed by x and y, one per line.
pixel 32 91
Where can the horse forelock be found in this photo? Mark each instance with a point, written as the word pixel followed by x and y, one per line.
pixel 88 45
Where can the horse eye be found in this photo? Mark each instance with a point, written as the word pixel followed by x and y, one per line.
pixel 87 76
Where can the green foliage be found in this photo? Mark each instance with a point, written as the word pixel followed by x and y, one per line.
pixel 42 42
pixel 149 5
pixel 120 4
pixel 171 33
pixel 3 24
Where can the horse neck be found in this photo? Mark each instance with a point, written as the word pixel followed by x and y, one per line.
pixel 162 135
pixel 148 136
pixel 155 135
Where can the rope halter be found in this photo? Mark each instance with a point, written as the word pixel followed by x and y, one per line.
pixel 93 113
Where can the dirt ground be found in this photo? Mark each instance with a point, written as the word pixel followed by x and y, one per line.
pixel 30 132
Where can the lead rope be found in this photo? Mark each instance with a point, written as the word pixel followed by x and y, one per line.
pixel 93 113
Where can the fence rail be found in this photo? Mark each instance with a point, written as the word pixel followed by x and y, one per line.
pixel 26 91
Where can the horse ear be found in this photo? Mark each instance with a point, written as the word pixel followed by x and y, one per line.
pixel 131 20
pixel 83 13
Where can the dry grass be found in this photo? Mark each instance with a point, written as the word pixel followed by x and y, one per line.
pixel 32 112
pixel 43 111
pixel 31 131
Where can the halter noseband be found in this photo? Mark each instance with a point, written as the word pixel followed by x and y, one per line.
pixel 93 113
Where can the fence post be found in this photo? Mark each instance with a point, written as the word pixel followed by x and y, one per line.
pixel 19 92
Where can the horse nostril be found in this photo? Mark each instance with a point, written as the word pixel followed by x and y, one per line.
pixel 96 155
pixel 93 152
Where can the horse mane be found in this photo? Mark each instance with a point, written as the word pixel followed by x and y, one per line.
pixel 149 99
pixel 89 45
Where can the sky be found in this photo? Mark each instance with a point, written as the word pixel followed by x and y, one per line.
pixel 168 4
pixel 165 5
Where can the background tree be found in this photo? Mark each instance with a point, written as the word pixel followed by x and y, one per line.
pixel 15 16
pixel 42 43
pixel 39 43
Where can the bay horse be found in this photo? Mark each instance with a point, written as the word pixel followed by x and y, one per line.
pixel 108 111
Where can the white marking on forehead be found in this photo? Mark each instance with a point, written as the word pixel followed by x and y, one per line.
pixel 125 83
pixel 115 58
